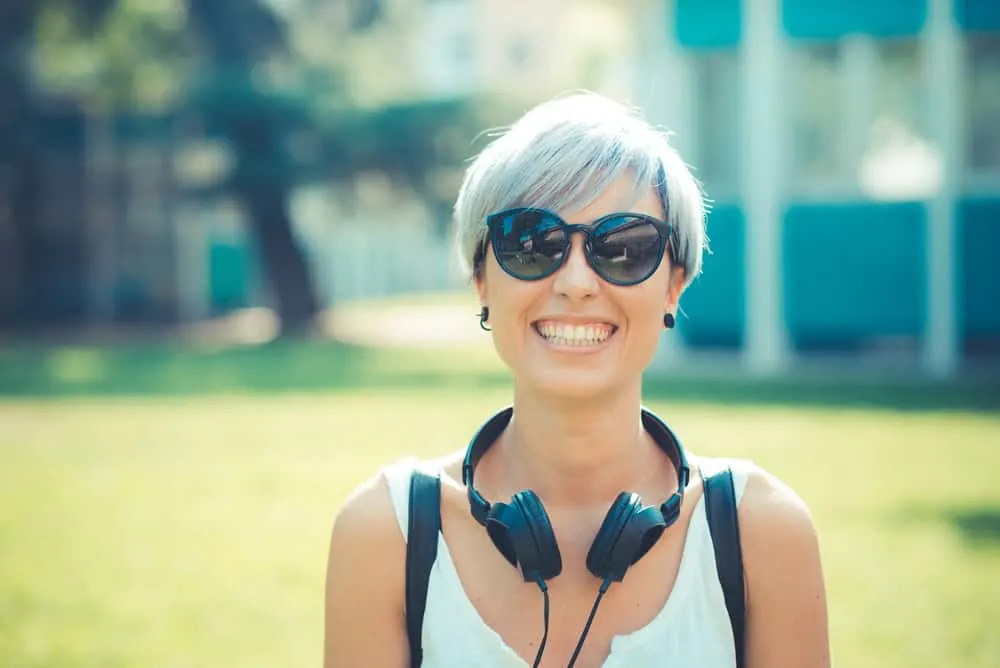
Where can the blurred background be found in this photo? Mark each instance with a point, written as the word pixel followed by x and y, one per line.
pixel 168 163
pixel 228 293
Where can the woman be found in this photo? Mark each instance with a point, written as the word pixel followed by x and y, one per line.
pixel 576 313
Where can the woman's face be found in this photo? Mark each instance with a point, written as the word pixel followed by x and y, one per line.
pixel 620 326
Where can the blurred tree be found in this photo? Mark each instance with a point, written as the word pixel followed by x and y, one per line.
pixel 272 78
pixel 268 99
pixel 19 163
pixel 17 172
pixel 241 37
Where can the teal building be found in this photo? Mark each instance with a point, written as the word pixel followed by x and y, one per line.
pixel 851 153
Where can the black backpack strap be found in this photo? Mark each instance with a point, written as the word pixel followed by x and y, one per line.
pixel 723 524
pixel 421 551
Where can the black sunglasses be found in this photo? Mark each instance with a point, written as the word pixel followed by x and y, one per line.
pixel 622 248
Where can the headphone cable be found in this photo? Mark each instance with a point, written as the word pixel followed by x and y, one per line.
pixel 590 620
pixel 545 634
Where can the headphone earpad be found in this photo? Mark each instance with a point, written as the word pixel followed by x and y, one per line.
pixel 523 534
pixel 629 531
pixel 502 519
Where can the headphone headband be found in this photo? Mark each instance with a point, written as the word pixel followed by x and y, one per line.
pixel 662 435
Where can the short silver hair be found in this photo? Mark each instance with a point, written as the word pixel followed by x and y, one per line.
pixel 561 155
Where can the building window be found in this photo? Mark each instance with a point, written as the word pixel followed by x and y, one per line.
pixel 815 92
pixel 898 160
pixel 717 118
pixel 982 103
pixel 857 121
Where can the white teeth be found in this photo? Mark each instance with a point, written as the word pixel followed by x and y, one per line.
pixel 574 335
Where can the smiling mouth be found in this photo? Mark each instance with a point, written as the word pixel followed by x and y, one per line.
pixel 581 336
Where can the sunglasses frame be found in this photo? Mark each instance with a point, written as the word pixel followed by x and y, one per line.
pixel 664 230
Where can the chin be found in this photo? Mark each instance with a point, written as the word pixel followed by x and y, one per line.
pixel 567 384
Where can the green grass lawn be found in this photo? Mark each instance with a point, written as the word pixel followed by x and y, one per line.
pixel 168 508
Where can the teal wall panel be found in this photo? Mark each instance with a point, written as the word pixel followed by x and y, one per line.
pixel 854 272
pixel 708 24
pixel 978 15
pixel 229 276
pixel 831 19
pixel 712 307
pixel 979 280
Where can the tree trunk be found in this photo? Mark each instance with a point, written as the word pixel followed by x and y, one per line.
pixel 263 187
pixel 283 260
pixel 238 35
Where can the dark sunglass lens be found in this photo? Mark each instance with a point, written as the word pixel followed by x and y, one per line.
pixel 529 244
pixel 626 250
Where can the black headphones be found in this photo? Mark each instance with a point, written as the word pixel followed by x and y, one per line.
pixel 523 534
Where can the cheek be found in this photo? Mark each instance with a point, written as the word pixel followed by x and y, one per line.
pixel 510 333
pixel 646 318
pixel 649 328
pixel 509 301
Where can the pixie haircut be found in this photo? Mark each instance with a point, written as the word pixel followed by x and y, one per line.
pixel 561 155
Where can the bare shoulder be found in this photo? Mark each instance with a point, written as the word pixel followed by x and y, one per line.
pixel 776 527
pixel 368 512
pixel 770 509
pixel 365 581
pixel 786 598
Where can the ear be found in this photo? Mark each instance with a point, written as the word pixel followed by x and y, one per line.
pixel 675 288
pixel 479 281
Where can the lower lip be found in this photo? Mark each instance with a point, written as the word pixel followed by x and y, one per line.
pixel 573 349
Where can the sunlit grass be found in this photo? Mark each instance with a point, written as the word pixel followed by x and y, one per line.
pixel 192 532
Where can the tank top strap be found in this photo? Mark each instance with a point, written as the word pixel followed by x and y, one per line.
pixel 741 473
pixel 397 477
pixel 741 469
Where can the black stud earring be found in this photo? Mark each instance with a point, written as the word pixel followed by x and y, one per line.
pixel 484 315
pixel 668 321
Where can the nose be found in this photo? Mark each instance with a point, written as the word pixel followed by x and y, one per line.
pixel 576 279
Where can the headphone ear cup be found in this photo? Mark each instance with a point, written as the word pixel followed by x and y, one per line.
pixel 523 534
pixel 539 539
pixel 614 521
pixel 629 531
pixel 501 521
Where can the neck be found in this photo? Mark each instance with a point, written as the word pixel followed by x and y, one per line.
pixel 576 451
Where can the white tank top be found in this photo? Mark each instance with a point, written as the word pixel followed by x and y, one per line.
pixel 692 628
